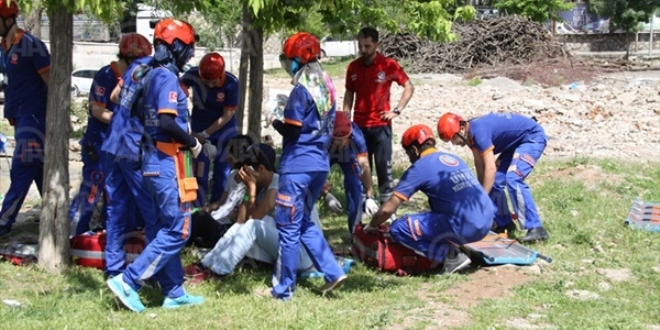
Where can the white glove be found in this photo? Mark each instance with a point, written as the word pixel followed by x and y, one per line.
pixel 333 203
pixel 197 149
pixel 210 150
pixel 370 206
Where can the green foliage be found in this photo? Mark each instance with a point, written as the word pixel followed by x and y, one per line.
pixel 625 14
pixel 537 10
pixel 466 13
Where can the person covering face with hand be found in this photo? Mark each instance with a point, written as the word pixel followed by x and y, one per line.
pixel 461 211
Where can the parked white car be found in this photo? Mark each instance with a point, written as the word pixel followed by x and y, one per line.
pixel 74 91
pixel 338 47
pixel 81 81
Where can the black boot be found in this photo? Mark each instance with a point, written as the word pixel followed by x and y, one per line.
pixel 510 228
pixel 533 235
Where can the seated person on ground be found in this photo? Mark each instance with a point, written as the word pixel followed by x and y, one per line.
pixel 254 234
pixel 461 211
pixel 213 220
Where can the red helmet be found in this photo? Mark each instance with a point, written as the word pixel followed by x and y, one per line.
pixel 134 45
pixel 448 125
pixel 417 133
pixel 343 126
pixel 8 8
pixel 169 29
pixel 212 67
pixel 302 45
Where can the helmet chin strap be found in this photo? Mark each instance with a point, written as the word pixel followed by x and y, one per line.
pixel 7 28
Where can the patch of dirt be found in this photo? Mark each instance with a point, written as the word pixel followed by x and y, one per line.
pixel 582 295
pixel 525 324
pixel 437 314
pixel 591 175
pixel 617 275
pixel 484 283
pixel 488 283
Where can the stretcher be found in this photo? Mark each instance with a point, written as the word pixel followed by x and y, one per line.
pixel 644 215
pixel 498 249
pixel 20 253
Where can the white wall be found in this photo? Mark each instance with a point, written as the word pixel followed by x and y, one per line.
pixel 100 54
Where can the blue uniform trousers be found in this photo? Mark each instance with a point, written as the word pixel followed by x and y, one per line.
pixel 297 193
pixel 93 183
pixel 353 190
pixel 167 232
pixel 431 234
pixel 512 171
pixel 220 170
pixel 125 195
pixel 27 165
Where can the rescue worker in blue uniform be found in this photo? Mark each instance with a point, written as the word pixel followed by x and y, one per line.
pixel 124 188
pixel 349 151
pixel 215 99
pixel 131 46
pixel 306 128
pixel 520 142
pixel 461 211
pixel 168 149
pixel 26 66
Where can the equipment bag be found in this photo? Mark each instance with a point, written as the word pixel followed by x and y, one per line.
pixel 88 249
pixel 381 252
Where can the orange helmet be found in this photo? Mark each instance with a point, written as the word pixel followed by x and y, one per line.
pixel 302 45
pixel 343 126
pixel 417 133
pixel 8 8
pixel 170 29
pixel 448 125
pixel 212 67
pixel 134 45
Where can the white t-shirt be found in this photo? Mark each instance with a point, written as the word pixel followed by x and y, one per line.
pixel 274 184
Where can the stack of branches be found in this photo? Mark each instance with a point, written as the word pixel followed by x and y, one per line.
pixel 504 41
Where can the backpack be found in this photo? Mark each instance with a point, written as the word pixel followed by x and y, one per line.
pixel 381 252
pixel 126 130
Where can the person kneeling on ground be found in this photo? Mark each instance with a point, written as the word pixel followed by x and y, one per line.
pixel 254 234
pixel 461 211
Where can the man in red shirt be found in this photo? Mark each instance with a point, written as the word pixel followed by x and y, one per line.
pixel 368 82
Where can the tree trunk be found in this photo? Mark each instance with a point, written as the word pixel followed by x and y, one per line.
pixel 256 83
pixel 243 68
pixel 54 219
pixel 33 20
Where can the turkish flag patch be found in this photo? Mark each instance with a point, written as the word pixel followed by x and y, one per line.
pixel 100 91
pixel 173 97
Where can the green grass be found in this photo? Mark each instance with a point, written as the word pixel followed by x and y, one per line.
pixel 336 67
pixel 583 203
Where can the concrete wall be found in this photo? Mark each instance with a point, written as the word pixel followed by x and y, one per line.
pixel 610 42
pixel 99 54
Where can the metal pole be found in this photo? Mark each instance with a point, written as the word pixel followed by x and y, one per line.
pixel 651 35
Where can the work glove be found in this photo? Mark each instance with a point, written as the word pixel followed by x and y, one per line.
pixel 370 206
pixel 197 149
pixel 209 150
pixel 333 203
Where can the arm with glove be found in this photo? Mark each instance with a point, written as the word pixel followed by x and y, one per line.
pixel 169 125
pixel 330 200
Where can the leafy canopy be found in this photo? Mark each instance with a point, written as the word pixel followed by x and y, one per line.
pixel 625 14
pixel 537 10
